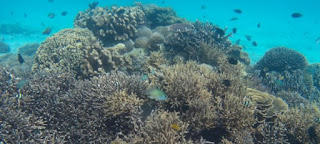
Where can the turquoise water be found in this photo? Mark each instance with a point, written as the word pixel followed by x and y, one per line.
pixel 278 28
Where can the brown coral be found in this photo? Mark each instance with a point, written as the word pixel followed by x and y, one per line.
pixel 111 25
pixel 78 51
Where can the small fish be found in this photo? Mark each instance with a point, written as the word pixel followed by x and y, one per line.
pixel 278 82
pixel 25 15
pixel 47 31
pixel 157 94
pixel 247 103
pixel 248 37
pixel 203 7
pixel 20 59
pixel 64 13
pixel 238 11
pixel 234 19
pixel 175 126
pixel 317 41
pixel 232 61
pixel 163 2
pixel 258 25
pixel 51 15
pixel 93 5
pixel 238 42
pixel 203 16
pixel 226 82
pixel 296 15
pixel 144 77
pixel 11 12
pixel 234 30
pixel 254 43
pixel 50 1
pixel 42 24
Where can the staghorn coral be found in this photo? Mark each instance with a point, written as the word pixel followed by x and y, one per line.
pixel 268 106
pixel 299 120
pixel 163 127
pixel 295 80
pixel 273 133
pixel 161 16
pixel 280 59
pixel 198 92
pixel 314 70
pixel 28 49
pixel 293 99
pixel 95 110
pixel 17 126
pixel 111 25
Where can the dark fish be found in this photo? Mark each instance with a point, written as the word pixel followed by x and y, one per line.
pixel 47 31
pixel 51 15
pixel 233 19
pixel 20 59
pixel 258 25
pixel 25 15
pixel 248 37
pixel 163 2
pixel 64 13
pixel 247 103
pixel 232 61
pixel 11 12
pixel 50 0
pixel 93 5
pixel 238 11
pixel 203 16
pixel 203 7
pixel 254 43
pixel 296 15
pixel 238 42
pixel 317 41
pixel 227 83
pixel 42 24
pixel 234 30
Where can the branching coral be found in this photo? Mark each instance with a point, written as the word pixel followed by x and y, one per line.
pixel 163 127
pixel 116 24
pixel 280 59
pixel 299 121
pixel 161 16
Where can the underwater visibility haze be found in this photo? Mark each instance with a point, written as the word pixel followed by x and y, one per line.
pixel 160 72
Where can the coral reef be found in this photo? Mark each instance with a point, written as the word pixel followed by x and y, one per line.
pixel 161 16
pixel 28 49
pixel 314 70
pixel 80 53
pixel 111 25
pixel 299 122
pixel 4 48
pixel 82 90
pixel 280 59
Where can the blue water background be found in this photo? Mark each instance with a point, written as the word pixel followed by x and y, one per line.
pixel 278 28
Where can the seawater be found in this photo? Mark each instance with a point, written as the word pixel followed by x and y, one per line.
pixel 278 28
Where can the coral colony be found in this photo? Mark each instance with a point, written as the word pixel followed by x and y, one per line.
pixel 141 74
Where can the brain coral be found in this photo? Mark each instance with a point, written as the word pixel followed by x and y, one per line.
pixel 111 25
pixel 281 59
pixel 77 51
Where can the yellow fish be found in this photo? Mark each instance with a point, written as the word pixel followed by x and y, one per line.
pixel 175 126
